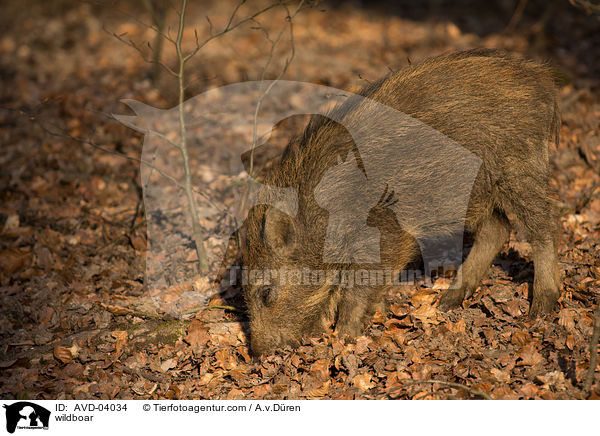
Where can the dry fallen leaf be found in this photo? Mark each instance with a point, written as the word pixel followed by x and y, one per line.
pixel 378 317
pixel 554 379
pixel 566 318
pixel 12 223
pixel 121 340
pixel 14 259
pixel 530 356
pixel 201 283
pixel 224 360
pixel 501 376
pixel 173 393
pixel 362 344
pixel 235 394
pixel 139 387
pixel 529 390
pixel 424 296
pixel 520 338
pixel 513 308
pixel 63 354
pixel 7 363
pixel 116 310
pixel 168 364
pixel 261 390
pixel 243 351
pixel 197 336
pixel 426 314
pixel 442 283
pixel 596 271
pixel 320 369
pixel 320 391
pixel 363 382
pixel 457 327
pixel 138 241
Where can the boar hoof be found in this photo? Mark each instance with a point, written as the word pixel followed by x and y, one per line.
pixel 451 299
pixel 543 303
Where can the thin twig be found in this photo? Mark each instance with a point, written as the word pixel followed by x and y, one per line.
pixel 213 306
pixel 229 27
pixel 514 20
pixel 589 7
pixel 288 61
pixel 589 379
pixel 133 45
pixel 158 11
pixel 80 337
pixel 123 235
pixel 132 17
pixel 140 373
pixel 197 232
pixel 471 390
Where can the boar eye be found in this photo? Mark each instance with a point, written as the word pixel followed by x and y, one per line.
pixel 266 295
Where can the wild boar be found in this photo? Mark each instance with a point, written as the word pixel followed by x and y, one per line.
pixel 502 109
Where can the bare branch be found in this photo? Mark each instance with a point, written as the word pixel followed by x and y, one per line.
pixel 516 17
pixel 140 51
pixel 288 61
pixel 128 15
pixel 589 7
pixel 158 11
pixel 210 29
pixel 230 25
pixel 473 391
pixel 197 232
pixel 234 13
pixel 179 73
pixel 589 379
pixel 262 29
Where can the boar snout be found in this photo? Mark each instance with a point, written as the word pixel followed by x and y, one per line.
pixel 283 315
pixel 263 344
pixel 264 338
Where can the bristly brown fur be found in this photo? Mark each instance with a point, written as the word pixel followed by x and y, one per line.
pixel 503 109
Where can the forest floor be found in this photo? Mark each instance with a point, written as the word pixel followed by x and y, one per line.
pixel 77 320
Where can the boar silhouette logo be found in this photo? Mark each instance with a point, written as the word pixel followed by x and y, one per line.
pixel 26 415
pixel 431 175
pixel 347 225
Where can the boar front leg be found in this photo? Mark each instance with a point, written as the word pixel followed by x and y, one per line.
pixel 490 236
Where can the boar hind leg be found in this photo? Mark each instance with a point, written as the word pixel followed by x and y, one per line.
pixel 535 215
pixel 546 280
pixel 490 236
pixel 532 205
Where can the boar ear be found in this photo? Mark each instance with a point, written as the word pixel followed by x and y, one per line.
pixel 279 231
